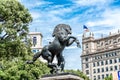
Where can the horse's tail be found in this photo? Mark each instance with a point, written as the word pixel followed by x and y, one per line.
pixel 36 55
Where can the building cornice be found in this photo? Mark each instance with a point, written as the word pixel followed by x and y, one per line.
pixel 35 33
pixel 98 52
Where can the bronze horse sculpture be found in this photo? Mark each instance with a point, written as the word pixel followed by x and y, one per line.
pixel 62 38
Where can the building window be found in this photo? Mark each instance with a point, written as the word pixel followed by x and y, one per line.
pixel 34 50
pixel 98 64
pixel 86 45
pixel 107 75
pixel 98 76
pixel 87 65
pixel 86 59
pixel 87 72
pixel 106 55
pixel 102 69
pixel 106 62
pixel 115 61
pixel 94 77
pixel 95 57
pixel 115 67
pixel 119 59
pixel 98 70
pixel 94 64
pixel 110 54
pixel 101 43
pixel 102 63
pixel 109 41
pixel 94 70
pixel 110 61
pixel 106 69
pixel 114 54
pixel 34 41
pixel 103 76
pixel 111 68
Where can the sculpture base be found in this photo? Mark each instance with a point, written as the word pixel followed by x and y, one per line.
pixel 61 76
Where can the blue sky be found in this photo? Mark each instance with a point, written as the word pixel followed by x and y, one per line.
pixel 100 16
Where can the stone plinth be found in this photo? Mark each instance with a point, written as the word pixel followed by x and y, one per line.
pixel 61 76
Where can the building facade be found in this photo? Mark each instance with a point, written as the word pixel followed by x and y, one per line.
pixel 100 57
pixel 36 40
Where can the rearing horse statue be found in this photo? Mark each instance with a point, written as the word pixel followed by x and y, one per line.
pixel 62 38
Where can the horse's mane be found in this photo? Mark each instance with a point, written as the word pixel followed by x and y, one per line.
pixel 61 27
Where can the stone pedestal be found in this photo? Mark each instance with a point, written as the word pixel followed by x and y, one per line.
pixel 61 76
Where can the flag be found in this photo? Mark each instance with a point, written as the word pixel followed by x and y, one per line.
pixel 85 28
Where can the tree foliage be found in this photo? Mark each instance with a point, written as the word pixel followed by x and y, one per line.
pixel 14 19
pixel 79 73
pixel 16 69
pixel 109 78
pixel 14 45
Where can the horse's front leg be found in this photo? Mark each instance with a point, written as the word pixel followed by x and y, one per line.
pixel 74 39
pixel 78 43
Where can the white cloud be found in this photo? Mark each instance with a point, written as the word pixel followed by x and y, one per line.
pixel 91 2
pixel 106 22
pixel 34 3
pixel 113 15
pixel 36 15
pixel 109 18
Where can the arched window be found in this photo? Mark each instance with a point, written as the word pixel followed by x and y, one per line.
pixel 34 41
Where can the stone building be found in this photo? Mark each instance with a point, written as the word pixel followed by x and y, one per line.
pixel 36 40
pixel 100 57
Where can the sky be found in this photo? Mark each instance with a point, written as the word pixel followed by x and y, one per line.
pixel 100 16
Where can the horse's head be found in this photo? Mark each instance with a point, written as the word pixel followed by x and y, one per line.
pixel 61 35
pixel 62 27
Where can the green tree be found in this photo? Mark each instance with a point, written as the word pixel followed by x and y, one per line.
pixel 109 78
pixel 79 73
pixel 14 19
pixel 14 45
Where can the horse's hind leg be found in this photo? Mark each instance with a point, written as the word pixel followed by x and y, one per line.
pixel 61 61
pixel 47 55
